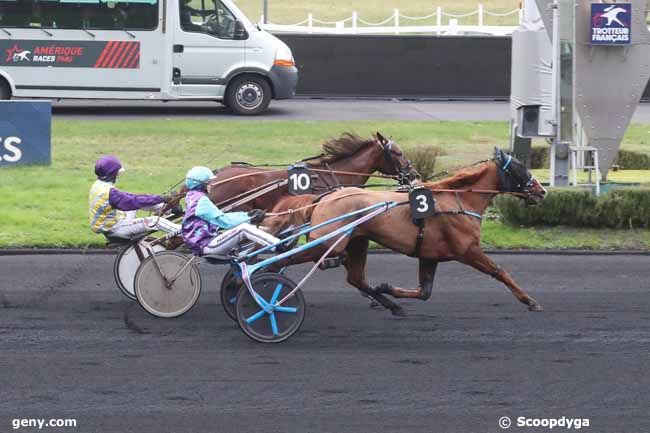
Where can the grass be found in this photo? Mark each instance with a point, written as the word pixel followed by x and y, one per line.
pixel 292 12
pixel 47 206
pixel 622 176
pixel 499 236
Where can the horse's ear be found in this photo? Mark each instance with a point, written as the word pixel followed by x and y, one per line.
pixel 381 138
pixel 498 154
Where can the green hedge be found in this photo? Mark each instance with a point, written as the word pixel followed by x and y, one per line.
pixel 621 208
pixel 626 159
pixel 630 160
pixel 539 157
pixel 423 158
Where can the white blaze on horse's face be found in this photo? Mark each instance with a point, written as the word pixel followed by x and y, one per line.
pixel 544 191
pixel 536 190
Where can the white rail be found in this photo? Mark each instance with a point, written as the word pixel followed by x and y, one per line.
pixel 395 23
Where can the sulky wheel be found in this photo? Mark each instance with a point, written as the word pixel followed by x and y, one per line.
pixel 230 286
pixel 166 298
pixel 273 323
pixel 126 265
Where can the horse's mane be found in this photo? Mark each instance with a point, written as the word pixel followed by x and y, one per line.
pixel 335 149
pixel 463 177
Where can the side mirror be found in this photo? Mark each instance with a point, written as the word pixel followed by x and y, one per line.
pixel 240 31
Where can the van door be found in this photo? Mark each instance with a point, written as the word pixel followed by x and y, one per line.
pixel 205 47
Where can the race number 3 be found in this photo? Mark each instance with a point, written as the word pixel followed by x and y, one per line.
pixel 422 203
pixel 299 181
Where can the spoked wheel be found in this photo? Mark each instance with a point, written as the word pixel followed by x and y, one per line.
pixel 230 286
pixel 167 298
pixel 273 323
pixel 126 265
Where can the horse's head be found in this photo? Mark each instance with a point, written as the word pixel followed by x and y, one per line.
pixel 515 177
pixel 395 163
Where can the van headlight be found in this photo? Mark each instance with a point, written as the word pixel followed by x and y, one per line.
pixel 283 57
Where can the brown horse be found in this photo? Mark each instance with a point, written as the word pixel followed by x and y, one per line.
pixel 355 156
pixel 454 233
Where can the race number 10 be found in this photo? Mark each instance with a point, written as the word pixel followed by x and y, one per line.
pixel 299 181
pixel 422 203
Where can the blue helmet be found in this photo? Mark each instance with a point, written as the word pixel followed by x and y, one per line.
pixel 198 177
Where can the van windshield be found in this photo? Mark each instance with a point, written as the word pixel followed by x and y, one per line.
pixel 80 14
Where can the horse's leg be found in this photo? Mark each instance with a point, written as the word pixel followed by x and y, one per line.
pixel 357 250
pixel 426 274
pixel 477 259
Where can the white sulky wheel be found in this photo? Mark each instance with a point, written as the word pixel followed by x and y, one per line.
pixel 126 265
pixel 152 291
pixel 273 323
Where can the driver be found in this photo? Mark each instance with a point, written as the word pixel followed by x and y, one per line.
pixel 203 220
pixel 112 212
pixel 187 12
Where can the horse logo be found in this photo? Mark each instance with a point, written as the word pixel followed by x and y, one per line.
pixel 22 56
pixel 610 14
pixel 16 54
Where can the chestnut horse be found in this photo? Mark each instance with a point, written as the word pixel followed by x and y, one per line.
pixel 355 156
pixel 454 233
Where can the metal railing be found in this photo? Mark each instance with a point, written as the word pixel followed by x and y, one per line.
pixel 446 23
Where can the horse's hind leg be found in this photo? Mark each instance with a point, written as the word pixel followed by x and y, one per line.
pixel 357 250
pixel 426 274
pixel 477 259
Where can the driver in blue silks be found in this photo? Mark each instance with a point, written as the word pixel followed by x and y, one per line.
pixel 203 220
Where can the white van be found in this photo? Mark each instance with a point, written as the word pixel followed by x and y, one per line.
pixel 141 49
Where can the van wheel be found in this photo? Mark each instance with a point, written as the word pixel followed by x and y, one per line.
pixel 5 90
pixel 248 95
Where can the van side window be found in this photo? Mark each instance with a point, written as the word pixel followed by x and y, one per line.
pixel 207 16
pixel 89 14
pixel 19 13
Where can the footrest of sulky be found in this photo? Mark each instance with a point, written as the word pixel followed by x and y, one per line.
pixel 333 262
pixel 117 242
pixel 217 259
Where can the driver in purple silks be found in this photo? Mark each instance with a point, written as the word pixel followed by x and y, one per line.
pixel 112 212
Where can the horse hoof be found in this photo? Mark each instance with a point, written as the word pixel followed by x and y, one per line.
pixel 398 311
pixel 535 307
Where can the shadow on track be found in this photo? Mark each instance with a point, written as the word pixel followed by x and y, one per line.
pixel 156 109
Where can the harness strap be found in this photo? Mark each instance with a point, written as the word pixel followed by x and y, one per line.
pixel 334 176
pixel 460 203
pixel 420 237
pixel 460 212
pixel 507 164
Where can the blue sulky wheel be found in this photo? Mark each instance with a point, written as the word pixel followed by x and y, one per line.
pixel 230 286
pixel 273 323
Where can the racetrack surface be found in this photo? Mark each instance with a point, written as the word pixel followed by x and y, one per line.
pixel 72 347
pixel 303 109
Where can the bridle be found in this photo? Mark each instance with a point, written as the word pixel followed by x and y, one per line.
pixel 512 182
pixel 402 171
